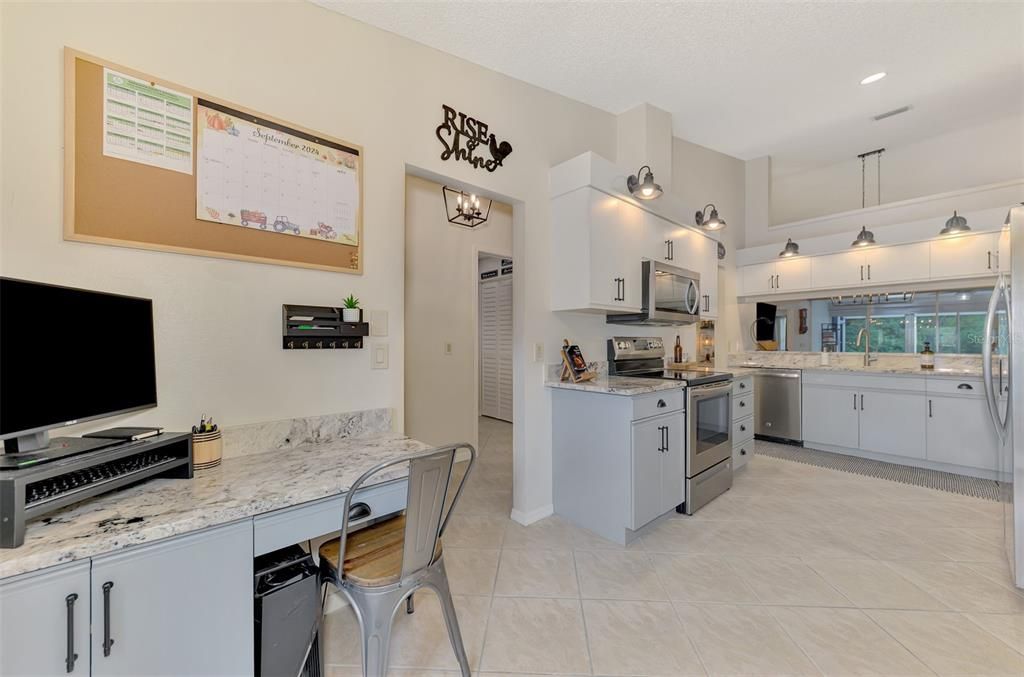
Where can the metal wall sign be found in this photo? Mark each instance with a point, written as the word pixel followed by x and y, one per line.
pixel 462 136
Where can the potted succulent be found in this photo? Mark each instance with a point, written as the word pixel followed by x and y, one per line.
pixel 350 311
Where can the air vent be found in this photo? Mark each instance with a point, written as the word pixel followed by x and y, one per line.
pixel 889 114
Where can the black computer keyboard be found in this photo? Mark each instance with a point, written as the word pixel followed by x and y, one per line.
pixel 55 487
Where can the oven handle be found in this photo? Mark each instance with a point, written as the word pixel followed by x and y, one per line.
pixel 709 390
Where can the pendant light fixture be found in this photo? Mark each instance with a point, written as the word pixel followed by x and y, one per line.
pixel 791 249
pixel 865 237
pixel 466 210
pixel 955 224
pixel 708 219
pixel 642 186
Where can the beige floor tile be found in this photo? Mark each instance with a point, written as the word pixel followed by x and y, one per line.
pixel 846 642
pixel 963 544
pixel 961 588
pixel 475 531
pixel 786 581
pixel 682 536
pixel 1007 627
pixel 357 671
pixel 638 638
pixel 585 540
pixel 883 541
pixel 471 571
pixel 535 635
pixel 483 502
pixel 419 640
pixel 550 533
pixel 997 572
pixel 949 644
pixel 607 574
pixel 742 640
pixel 537 573
pixel 873 585
pixel 701 578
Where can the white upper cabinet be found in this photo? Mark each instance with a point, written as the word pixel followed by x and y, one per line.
pixel 844 269
pixel 898 263
pixel 968 255
pixel 793 274
pixel 706 251
pixel 758 278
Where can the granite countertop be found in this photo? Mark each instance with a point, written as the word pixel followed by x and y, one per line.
pixel 873 369
pixel 617 385
pixel 237 489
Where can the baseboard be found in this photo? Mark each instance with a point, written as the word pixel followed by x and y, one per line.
pixel 527 518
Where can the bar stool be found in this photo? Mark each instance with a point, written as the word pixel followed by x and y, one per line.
pixel 385 563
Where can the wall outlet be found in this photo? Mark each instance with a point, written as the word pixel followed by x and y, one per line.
pixel 379 353
pixel 538 352
pixel 448 348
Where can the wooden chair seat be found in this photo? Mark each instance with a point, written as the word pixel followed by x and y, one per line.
pixel 373 556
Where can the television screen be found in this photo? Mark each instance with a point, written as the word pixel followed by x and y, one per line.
pixel 764 329
pixel 70 354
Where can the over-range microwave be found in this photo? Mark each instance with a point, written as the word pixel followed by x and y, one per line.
pixel 671 297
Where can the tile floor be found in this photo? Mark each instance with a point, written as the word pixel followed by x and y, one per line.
pixel 797 570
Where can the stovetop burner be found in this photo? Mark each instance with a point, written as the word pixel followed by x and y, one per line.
pixel 643 358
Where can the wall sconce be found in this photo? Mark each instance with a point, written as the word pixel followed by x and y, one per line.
pixel 791 248
pixel 864 238
pixel 955 224
pixel 642 186
pixel 464 210
pixel 707 218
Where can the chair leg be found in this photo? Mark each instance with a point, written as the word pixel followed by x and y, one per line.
pixel 410 606
pixel 376 612
pixel 439 581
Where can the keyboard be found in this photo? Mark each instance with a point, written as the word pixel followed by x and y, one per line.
pixel 78 480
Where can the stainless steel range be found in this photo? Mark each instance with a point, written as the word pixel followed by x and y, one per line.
pixel 708 414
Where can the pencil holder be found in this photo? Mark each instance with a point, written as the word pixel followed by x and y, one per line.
pixel 207 449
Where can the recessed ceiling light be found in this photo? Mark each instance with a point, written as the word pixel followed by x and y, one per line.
pixel 873 78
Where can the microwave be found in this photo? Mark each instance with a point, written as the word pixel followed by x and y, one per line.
pixel 670 297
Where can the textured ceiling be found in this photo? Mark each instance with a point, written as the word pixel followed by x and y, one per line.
pixel 746 78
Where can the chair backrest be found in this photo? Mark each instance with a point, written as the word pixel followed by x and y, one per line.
pixel 427 501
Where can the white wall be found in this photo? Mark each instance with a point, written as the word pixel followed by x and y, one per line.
pixel 701 175
pixel 217 321
pixel 987 153
pixel 441 280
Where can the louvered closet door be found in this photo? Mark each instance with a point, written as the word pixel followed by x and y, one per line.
pixel 496 348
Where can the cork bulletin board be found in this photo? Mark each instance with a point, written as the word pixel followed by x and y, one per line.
pixel 116 201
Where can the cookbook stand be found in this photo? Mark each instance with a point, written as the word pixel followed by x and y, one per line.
pixel 574 367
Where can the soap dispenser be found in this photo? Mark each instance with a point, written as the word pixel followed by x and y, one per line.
pixel 928 357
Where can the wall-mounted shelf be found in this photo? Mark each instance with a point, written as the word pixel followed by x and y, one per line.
pixel 319 328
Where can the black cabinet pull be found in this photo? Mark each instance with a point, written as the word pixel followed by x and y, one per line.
pixel 862 401
pixel 869 271
pixel 742 403
pixel 107 641
pixel 359 511
pixel 661 404
pixel 743 428
pixel 929 409
pixel 664 432
pixel 743 384
pixel 743 452
pixel 965 386
pixel 855 401
pixel 990 260
pixel 862 273
pixel 70 657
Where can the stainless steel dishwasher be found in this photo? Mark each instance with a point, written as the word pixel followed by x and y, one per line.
pixel 778 412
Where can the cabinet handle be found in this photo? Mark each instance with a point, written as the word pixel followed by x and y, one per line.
pixel 666 439
pixel 359 511
pixel 771 281
pixel 661 404
pixel 778 285
pixel 743 384
pixel 862 401
pixel 855 401
pixel 107 640
pixel 743 428
pixel 965 386
pixel 622 295
pixel 742 403
pixel 929 409
pixel 743 452
pixel 70 657
pixel 862 273
pixel 869 271
pixel 990 260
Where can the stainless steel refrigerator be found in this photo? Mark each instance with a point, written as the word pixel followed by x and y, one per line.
pixel 1004 387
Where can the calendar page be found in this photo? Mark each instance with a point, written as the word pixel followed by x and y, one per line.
pixel 254 173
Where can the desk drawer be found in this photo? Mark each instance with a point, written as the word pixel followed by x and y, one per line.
pixel 742 430
pixel 302 522
pixel 663 402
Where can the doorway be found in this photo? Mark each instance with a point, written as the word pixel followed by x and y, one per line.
pixel 495 337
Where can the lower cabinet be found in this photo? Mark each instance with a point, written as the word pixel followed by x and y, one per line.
pixel 742 421
pixel 180 607
pixel 830 416
pixel 44 622
pixel 658 467
pixel 893 423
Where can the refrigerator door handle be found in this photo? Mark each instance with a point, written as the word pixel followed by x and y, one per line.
pixel 991 397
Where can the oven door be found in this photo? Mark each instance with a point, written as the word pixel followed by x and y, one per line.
pixel 674 293
pixel 709 423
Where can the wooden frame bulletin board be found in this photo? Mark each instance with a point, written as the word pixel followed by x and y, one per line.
pixel 108 200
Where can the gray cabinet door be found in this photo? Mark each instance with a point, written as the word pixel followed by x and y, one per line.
pixel 183 606
pixel 646 485
pixel 831 416
pixel 960 432
pixel 893 423
pixel 673 462
pixel 35 620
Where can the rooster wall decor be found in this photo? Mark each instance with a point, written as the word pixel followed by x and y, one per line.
pixel 461 136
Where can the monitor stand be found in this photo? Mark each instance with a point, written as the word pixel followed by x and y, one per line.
pixel 52 449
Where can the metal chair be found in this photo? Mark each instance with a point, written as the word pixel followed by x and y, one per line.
pixel 380 566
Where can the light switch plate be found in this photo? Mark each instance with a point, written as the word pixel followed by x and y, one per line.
pixel 380 356
pixel 538 352
pixel 378 323
pixel 448 348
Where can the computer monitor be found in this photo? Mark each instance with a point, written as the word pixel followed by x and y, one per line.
pixel 68 356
